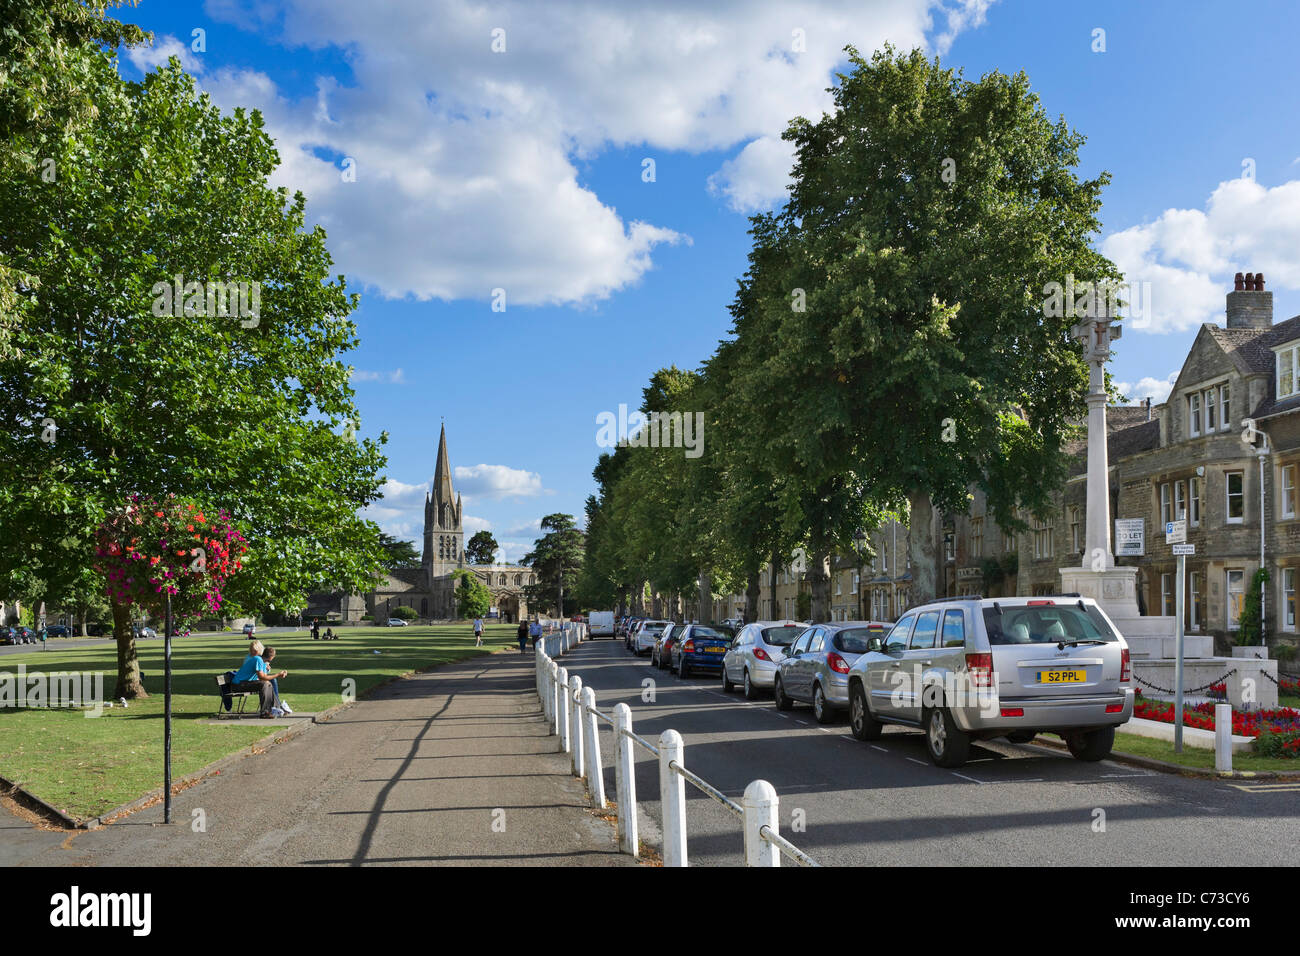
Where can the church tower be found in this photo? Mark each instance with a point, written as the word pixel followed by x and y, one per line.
pixel 444 535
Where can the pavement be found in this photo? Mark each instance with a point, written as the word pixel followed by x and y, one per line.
pixel 452 767
pixel 849 803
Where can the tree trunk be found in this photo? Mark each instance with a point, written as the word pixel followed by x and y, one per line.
pixel 751 596
pixel 84 614
pixel 821 585
pixel 706 596
pixel 776 605
pixel 656 605
pixel 128 664
pixel 922 548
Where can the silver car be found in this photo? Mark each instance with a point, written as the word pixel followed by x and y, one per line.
pixel 647 632
pixel 755 653
pixel 816 668
pixel 977 668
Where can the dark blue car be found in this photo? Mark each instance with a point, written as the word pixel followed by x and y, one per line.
pixel 701 647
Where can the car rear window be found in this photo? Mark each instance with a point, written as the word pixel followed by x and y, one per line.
pixel 1046 624
pixel 699 631
pixel 853 640
pixel 781 636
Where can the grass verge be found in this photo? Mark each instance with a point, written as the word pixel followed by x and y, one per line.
pixel 1194 756
pixel 86 766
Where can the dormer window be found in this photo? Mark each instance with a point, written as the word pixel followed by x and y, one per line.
pixel 1288 371
pixel 1209 410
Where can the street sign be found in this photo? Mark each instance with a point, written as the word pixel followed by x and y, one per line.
pixel 1130 537
pixel 1184 549
pixel 1176 531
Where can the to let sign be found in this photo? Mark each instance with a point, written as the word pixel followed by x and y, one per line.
pixel 1130 537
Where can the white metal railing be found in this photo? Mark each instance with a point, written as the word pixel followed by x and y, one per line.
pixel 570 711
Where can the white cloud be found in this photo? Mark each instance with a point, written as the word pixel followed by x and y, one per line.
pixel 147 58
pixel 395 377
pixel 473 525
pixel 1157 389
pixel 962 15
pixel 465 158
pixel 497 481
pixel 1189 256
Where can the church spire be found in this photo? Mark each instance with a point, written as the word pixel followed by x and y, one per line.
pixel 442 492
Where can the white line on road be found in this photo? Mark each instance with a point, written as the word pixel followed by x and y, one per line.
pixel 883 750
pixel 964 777
pixel 914 760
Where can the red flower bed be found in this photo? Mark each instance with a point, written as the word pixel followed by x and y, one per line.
pixel 1281 720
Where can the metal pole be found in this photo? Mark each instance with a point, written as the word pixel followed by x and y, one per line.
pixel 1178 666
pixel 1263 450
pixel 167 714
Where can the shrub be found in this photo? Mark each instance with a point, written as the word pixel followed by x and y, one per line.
pixel 404 613
pixel 1270 744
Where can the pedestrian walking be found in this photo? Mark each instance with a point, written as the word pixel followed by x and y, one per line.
pixel 478 632
pixel 521 634
pixel 535 631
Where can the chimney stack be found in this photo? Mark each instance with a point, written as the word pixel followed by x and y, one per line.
pixel 1249 306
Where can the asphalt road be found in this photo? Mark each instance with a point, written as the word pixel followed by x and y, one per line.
pixel 884 803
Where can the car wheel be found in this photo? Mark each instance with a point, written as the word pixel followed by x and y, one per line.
pixel 861 723
pixel 727 684
pixel 683 668
pixel 778 696
pixel 1093 745
pixel 821 710
pixel 1022 736
pixel 947 743
pixel 751 692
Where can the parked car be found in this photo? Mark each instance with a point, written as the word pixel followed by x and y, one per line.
pixel 816 668
pixel 143 633
pixel 629 630
pixel 396 622
pixel 978 668
pixel 601 623
pixel 250 630
pixel 733 622
pixel 663 646
pixel 58 630
pixel 700 647
pixel 752 659
pixel 10 635
pixel 647 632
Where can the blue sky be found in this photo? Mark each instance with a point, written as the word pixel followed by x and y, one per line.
pixel 522 170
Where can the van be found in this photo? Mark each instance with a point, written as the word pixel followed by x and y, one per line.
pixel 601 623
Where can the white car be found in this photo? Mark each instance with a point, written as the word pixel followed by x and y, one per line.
pixel 643 642
pixel 755 653
pixel 396 622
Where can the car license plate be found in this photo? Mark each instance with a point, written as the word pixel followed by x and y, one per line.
pixel 1062 677
pixel 715 650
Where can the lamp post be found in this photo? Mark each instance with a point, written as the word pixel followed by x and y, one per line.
pixel 1248 435
pixel 167 713
pixel 859 544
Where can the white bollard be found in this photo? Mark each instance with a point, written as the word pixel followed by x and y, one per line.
pixel 760 803
pixel 672 797
pixel 591 734
pixel 1223 737
pixel 551 673
pixel 575 725
pixel 562 709
pixel 625 780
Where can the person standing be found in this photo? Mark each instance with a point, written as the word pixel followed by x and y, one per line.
pixel 521 634
pixel 535 631
pixel 315 629
pixel 478 632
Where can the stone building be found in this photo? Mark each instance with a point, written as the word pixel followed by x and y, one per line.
pixel 430 589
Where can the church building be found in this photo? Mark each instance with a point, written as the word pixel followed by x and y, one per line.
pixel 430 589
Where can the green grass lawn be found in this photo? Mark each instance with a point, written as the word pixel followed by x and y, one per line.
pixel 1196 757
pixel 86 766
pixel 1284 701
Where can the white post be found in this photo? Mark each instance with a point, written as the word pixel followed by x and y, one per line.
pixel 555 695
pixel 1178 663
pixel 672 797
pixel 591 733
pixel 562 708
pixel 625 780
pixel 760 803
pixel 1223 738
pixel 575 724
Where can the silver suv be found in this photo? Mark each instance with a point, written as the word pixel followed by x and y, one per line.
pixel 977 668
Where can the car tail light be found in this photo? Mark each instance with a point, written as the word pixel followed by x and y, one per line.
pixel 1013 712
pixel 1125 666
pixel 980 668
pixel 760 654
pixel 838 664
pixel 1114 708
pixel 1041 603
pixel 688 647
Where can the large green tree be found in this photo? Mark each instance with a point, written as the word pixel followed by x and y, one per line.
pixel 905 284
pixel 245 413
pixel 473 599
pixel 398 553
pixel 556 558
pixel 482 547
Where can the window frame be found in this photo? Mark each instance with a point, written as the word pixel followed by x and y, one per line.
pixel 1194 415
pixel 1228 496
pixel 1286 491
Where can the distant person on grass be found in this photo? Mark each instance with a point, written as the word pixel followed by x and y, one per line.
pixel 478 632
pixel 253 676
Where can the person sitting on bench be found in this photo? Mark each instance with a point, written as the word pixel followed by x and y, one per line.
pixel 268 655
pixel 253 676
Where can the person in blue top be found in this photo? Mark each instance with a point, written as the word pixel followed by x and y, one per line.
pixel 254 676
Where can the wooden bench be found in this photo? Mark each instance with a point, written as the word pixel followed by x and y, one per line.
pixel 222 682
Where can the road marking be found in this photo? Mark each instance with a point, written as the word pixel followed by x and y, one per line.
pixel 1114 776
pixel 847 737
pixel 914 760
pixel 881 749
pixel 1267 787
pixel 964 777
pixel 826 730
pixel 784 716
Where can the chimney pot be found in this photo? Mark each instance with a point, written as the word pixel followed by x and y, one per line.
pixel 1239 284
pixel 1248 305
pixel 1259 282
